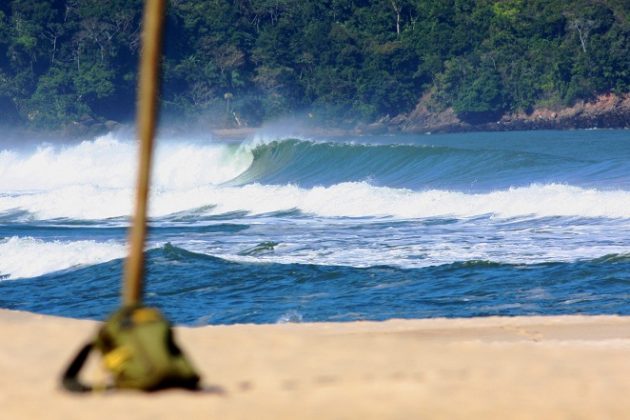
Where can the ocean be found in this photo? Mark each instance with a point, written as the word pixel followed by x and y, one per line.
pixel 283 229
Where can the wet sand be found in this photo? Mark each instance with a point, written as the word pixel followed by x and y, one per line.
pixel 569 367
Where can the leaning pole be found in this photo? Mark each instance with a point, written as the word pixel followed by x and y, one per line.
pixel 136 342
pixel 146 121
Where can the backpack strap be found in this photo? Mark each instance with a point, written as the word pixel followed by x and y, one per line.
pixel 70 378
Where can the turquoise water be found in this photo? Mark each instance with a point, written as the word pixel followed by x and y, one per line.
pixel 294 230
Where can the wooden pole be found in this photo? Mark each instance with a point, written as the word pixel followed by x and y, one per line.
pixel 146 121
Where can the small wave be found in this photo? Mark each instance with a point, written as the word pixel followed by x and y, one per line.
pixel 266 247
pixel 29 257
pixel 176 253
pixel 290 317
pixel 613 258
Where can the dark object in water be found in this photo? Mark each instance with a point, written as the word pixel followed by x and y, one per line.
pixel 261 248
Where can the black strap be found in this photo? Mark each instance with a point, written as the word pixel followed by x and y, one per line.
pixel 70 378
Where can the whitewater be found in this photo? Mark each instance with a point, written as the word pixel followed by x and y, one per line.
pixel 282 229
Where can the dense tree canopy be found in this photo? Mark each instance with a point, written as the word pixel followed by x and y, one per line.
pixel 247 61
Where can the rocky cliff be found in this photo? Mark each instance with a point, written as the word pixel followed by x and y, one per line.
pixel 605 111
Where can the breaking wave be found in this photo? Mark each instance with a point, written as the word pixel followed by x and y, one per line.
pixel 22 256
pixel 350 199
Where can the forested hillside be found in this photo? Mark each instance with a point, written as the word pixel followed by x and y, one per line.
pixel 340 61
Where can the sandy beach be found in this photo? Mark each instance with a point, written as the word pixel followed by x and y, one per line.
pixel 571 367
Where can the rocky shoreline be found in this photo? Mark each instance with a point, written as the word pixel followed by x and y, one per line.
pixel 606 111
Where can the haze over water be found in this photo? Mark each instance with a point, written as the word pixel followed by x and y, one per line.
pixel 283 229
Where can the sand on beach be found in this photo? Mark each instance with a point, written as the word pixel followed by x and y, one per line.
pixel 569 367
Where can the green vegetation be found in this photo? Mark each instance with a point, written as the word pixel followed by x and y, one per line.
pixel 247 61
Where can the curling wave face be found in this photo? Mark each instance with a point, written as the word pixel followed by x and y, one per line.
pixel 93 180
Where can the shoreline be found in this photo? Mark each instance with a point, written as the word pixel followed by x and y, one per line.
pixel 498 367
pixel 607 111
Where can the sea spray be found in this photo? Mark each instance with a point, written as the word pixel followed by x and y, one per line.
pixel 109 162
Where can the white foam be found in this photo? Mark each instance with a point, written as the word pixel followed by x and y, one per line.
pixel 360 199
pixel 29 257
pixel 410 245
pixel 428 254
pixel 353 199
pixel 291 316
pixel 109 162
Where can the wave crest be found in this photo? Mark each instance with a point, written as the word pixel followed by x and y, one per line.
pixel 414 166
pixel 110 162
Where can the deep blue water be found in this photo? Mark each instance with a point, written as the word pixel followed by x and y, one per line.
pixel 292 230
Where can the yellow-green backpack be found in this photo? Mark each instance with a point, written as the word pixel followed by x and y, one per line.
pixel 137 348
